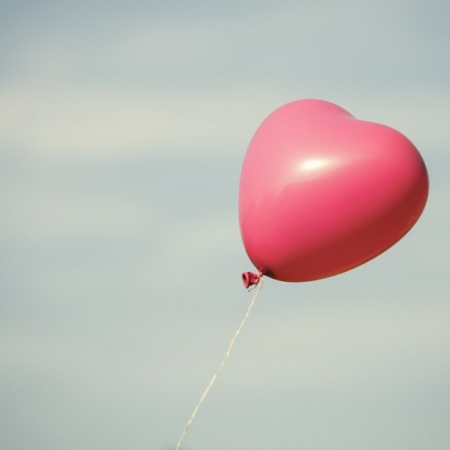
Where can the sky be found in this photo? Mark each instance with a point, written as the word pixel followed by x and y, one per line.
pixel 123 127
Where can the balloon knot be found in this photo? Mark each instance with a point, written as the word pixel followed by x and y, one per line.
pixel 249 279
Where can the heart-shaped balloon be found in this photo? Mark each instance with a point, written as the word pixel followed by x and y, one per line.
pixel 322 192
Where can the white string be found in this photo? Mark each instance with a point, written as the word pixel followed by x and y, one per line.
pixel 213 379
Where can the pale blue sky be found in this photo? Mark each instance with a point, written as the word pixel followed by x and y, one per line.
pixel 123 126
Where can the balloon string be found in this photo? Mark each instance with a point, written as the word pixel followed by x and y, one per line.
pixel 222 364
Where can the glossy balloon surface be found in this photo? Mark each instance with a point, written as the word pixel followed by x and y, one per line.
pixel 322 192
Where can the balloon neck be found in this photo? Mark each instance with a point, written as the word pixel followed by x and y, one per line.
pixel 249 279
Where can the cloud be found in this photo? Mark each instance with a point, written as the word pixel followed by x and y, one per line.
pixel 345 346
pixel 37 215
pixel 121 133
pixel 73 125
pixel 192 253
pixel 188 85
pixel 342 346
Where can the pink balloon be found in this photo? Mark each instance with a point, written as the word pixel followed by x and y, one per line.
pixel 322 192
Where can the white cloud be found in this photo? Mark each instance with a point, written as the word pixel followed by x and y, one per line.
pixel 334 347
pixel 191 252
pixel 43 215
pixel 344 347
pixel 52 113
pixel 125 327
pixel 71 125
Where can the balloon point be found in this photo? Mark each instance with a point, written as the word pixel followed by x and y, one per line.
pixel 250 278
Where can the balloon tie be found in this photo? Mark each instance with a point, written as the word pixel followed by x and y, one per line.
pixel 222 364
pixel 251 279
